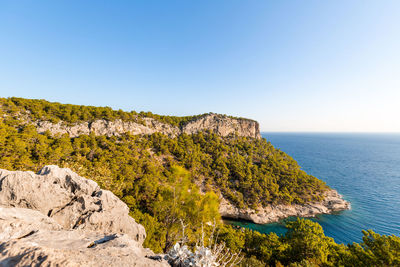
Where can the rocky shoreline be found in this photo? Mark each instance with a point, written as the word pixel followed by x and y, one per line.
pixel 332 202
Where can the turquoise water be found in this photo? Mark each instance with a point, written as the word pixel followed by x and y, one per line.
pixel 364 168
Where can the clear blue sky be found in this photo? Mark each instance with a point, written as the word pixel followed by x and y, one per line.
pixel 291 65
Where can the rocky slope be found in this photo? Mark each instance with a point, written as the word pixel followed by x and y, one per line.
pixel 332 202
pixel 220 124
pixel 57 218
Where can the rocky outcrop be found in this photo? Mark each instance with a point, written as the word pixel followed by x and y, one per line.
pixel 223 125
pixel 332 202
pixel 47 247
pixel 57 217
pixel 220 124
pixel 16 223
pixel 72 201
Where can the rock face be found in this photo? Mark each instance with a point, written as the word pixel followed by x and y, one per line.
pixel 16 223
pixel 57 217
pixel 72 201
pixel 223 126
pixel 220 124
pixel 108 128
pixel 273 213
pixel 29 238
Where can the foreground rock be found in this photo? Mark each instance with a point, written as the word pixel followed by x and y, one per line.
pixel 56 217
pixel 220 124
pixel 73 248
pixel 16 223
pixel 332 202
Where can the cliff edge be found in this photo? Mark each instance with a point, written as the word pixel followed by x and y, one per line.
pixel 220 124
pixel 56 217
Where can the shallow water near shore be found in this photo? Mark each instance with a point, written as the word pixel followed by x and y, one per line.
pixel 364 168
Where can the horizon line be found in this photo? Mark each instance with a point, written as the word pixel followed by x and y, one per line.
pixel 330 132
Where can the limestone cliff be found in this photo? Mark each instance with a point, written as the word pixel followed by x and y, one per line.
pixel 108 128
pixel 220 124
pixel 57 218
pixel 223 125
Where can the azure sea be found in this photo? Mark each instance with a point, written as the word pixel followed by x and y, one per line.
pixel 364 168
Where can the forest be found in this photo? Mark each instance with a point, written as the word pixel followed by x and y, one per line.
pixel 68 113
pixel 170 182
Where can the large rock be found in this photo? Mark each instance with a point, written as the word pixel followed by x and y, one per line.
pixel 72 201
pixel 220 124
pixel 29 238
pixel 57 218
pixel 16 223
pixel 332 202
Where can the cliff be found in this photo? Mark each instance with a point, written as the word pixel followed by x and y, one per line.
pixel 56 218
pixel 221 124
pixel 249 172
pixel 108 128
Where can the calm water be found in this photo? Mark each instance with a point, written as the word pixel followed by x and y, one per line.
pixel 364 168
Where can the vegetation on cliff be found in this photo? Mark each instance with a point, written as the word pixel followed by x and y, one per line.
pixel 247 171
pixel 56 112
pixel 142 170
pixel 170 183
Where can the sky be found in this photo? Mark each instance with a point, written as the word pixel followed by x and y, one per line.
pixel 302 66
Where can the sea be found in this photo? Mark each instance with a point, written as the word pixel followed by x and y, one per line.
pixel 364 168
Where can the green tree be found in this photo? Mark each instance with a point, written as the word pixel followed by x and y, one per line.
pixel 179 203
pixel 374 250
pixel 306 241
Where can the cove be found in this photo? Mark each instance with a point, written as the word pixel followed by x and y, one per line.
pixel 364 168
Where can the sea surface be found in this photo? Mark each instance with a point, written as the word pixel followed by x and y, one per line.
pixel 364 168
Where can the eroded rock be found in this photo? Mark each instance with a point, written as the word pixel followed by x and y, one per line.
pixel 74 248
pixel 57 218
pixel 16 223
pixel 72 201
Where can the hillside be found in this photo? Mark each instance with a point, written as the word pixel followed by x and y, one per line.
pixel 225 153
pixel 78 120
pixel 216 157
pixel 177 185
